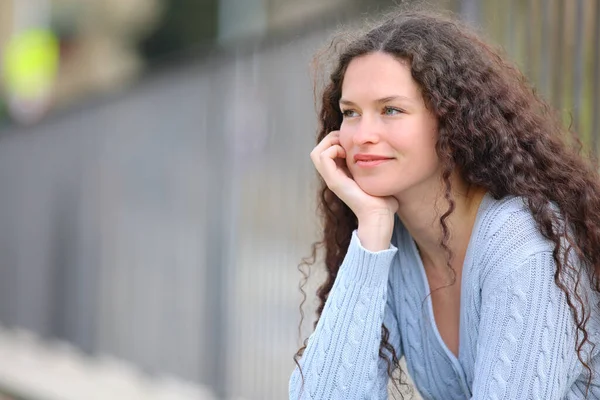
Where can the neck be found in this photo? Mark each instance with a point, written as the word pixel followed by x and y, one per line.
pixel 421 214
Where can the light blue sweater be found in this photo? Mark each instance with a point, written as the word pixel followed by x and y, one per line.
pixel 516 331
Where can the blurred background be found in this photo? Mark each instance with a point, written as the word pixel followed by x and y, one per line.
pixel 156 194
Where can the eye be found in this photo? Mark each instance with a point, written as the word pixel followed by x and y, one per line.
pixel 349 113
pixel 392 111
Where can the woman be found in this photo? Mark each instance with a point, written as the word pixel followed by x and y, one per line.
pixel 461 231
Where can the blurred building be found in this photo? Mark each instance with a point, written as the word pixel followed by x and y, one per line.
pixel 98 40
pixel 106 44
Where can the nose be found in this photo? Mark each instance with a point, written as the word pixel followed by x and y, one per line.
pixel 367 131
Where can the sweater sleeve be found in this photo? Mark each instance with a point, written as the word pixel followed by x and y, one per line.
pixel 341 360
pixel 525 347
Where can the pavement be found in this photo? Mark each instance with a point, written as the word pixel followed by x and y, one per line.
pixel 35 369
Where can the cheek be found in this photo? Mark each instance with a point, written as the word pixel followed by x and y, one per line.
pixel 428 155
pixel 345 139
pixel 420 137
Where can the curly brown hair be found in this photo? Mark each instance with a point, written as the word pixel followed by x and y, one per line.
pixel 497 133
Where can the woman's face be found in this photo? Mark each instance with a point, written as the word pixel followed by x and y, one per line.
pixel 387 132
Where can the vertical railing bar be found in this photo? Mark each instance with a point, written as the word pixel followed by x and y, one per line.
pixel 578 72
pixel 596 82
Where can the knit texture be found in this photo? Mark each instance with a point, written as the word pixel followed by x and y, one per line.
pixel 517 335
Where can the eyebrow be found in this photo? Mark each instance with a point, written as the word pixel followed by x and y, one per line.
pixel 378 101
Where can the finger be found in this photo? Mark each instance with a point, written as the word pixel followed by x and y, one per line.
pixel 328 141
pixel 340 162
pixel 328 167
pixel 333 134
pixel 333 152
pixel 332 138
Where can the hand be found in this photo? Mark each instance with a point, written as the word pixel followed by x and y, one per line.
pixel 375 214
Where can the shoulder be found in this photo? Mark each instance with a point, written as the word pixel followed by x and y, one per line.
pixel 505 238
pixel 513 260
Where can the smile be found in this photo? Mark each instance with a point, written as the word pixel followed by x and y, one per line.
pixel 372 163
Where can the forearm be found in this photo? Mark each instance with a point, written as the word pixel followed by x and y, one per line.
pixel 341 359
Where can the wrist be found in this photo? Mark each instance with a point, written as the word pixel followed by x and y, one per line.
pixel 375 235
pixel 380 219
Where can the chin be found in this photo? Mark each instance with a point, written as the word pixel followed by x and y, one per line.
pixel 377 189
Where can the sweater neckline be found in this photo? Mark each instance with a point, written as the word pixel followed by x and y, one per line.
pixel 454 359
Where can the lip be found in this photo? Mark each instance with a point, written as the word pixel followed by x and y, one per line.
pixel 370 160
pixel 370 157
pixel 372 163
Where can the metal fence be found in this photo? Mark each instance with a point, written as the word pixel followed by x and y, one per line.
pixel 165 226
pixel 557 44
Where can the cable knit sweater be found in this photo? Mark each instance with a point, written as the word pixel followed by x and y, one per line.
pixel 517 336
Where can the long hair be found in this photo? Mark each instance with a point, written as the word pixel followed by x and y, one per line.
pixel 497 133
